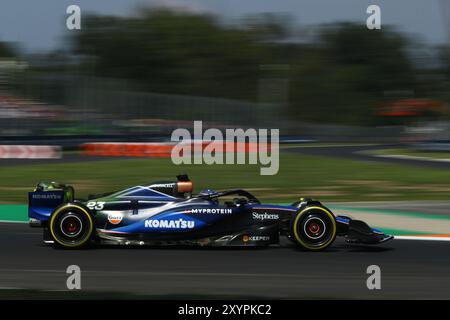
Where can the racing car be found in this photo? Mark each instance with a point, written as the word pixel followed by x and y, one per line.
pixel 168 213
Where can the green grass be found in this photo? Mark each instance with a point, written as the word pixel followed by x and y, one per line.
pixel 329 179
pixel 409 152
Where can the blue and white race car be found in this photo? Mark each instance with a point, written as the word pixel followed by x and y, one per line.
pixel 167 213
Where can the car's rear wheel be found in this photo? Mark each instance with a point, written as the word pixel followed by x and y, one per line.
pixel 313 228
pixel 71 226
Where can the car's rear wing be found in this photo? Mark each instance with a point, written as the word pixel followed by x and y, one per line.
pixel 45 198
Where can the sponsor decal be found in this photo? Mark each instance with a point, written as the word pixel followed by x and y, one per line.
pixel 210 211
pixel 169 224
pixel 247 238
pixel 265 216
pixel 162 185
pixel 115 218
pixel 46 196
pixel 259 238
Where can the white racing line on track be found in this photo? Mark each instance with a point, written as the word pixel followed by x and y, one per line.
pixel 424 238
pixel 406 157
pixel 12 221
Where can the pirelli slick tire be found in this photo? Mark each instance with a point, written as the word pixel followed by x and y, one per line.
pixel 71 226
pixel 313 228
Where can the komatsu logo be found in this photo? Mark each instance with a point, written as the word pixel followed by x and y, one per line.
pixel 170 224
pixel 265 216
pixel 211 211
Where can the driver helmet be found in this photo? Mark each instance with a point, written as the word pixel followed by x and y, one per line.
pixel 207 192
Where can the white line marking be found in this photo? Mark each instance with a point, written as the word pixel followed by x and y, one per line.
pixel 426 238
pixel 12 221
pixel 406 157
pixel 23 233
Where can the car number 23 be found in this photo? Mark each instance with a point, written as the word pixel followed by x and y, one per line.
pixel 93 205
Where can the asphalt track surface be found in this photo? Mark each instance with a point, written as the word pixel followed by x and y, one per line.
pixel 409 270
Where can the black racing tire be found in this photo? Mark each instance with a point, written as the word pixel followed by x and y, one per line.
pixel 71 226
pixel 313 228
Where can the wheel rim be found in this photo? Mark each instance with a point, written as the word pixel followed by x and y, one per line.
pixel 314 228
pixel 71 225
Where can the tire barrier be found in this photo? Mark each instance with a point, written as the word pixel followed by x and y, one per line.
pixel 158 149
pixel 29 152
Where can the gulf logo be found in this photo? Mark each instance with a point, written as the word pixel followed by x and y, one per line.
pixel 115 218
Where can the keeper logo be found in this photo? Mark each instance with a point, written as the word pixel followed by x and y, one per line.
pixel 259 238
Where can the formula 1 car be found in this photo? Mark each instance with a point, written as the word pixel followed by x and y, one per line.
pixel 167 213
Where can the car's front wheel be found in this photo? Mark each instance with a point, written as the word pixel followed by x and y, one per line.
pixel 313 228
pixel 71 226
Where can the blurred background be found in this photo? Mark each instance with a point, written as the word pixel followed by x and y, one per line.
pixel 364 120
pixel 363 114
